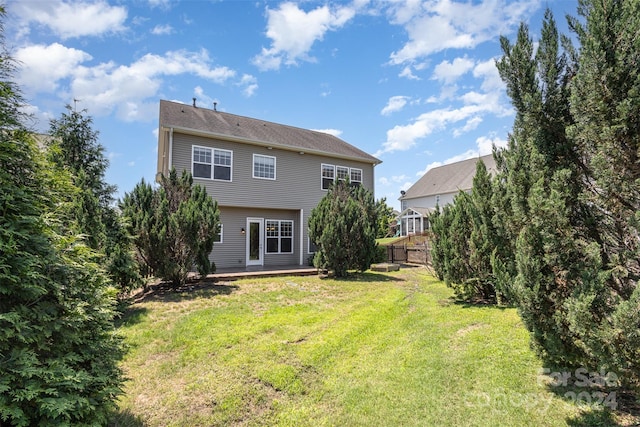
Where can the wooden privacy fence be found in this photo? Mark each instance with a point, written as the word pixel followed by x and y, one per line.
pixel 415 254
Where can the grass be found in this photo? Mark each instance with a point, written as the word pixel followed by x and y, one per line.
pixel 377 349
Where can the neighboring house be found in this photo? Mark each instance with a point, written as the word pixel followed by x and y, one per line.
pixel 266 178
pixel 437 187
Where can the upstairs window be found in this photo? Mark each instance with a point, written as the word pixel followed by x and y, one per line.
pixel 328 175
pixel 211 163
pixel 279 236
pixel 342 173
pixel 264 167
pixel 331 173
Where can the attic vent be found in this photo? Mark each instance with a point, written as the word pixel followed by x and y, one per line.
pixel 194 102
pixel 215 106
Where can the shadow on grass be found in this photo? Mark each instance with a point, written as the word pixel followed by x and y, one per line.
pixel 368 277
pixel 166 292
pixel 130 316
pixel 600 405
pixel 477 303
pixel 125 418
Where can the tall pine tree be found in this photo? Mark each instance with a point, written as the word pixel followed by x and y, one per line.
pixel 604 312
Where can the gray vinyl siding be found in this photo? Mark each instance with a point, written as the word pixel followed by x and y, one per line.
pixel 298 185
pixel 232 252
pixel 298 176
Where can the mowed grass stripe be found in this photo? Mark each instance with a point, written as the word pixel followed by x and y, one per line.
pixel 380 349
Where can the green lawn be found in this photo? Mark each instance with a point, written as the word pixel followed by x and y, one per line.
pixel 376 350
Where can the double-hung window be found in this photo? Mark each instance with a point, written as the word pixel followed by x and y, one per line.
pixel 342 173
pixel 279 236
pixel 264 167
pixel 211 163
pixel 328 175
pixel 217 237
pixel 331 173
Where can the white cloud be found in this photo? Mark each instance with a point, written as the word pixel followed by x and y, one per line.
pixel 129 90
pixel 131 164
pixel 395 103
pixel 334 132
pixel 446 24
pixel 470 125
pixel 42 67
pixel 488 72
pixel 404 137
pixel 484 147
pixel 69 19
pixel 448 72
pixel 162 30
pixel 250 84
pixel 293 32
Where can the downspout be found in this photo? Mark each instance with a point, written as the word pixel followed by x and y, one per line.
pixel 301 236
pixel 170 151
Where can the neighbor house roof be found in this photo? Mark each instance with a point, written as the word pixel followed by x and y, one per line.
pixel 204 121
pixel 449 178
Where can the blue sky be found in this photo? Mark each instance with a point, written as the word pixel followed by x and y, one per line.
pixel 411 82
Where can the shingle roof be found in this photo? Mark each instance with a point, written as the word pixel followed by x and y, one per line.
pixel 203 120
pixel 449 178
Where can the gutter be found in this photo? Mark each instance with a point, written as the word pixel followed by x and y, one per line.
pixel 300 150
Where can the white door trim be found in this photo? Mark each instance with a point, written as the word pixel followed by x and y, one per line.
pixel 255 257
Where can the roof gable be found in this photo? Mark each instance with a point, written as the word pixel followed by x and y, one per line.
pixel 449 178
pixel 230 126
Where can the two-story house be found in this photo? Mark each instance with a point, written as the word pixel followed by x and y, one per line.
pixel 437 187
pixel 266 178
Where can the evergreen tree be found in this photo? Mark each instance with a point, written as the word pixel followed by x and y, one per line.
pixel 604 311
pixel 539 211
pixel 343 228
pixel 464 240
pixel 385 216
pixel 58 351
pixel 75 146
pixel 173 227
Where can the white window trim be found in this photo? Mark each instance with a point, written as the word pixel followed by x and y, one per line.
pixel 343 169
pixel 253 167
pixel 221 235
pixel 279 221
pixel 335 174
pixel 351 178
pixel 322 177
pixel 213 165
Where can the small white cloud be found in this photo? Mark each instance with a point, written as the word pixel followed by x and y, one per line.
pixel 131 164
pixel 470 125
pixel 162 30
pixel 293 32
pixel 250 85
pixel 395 103
pixel 404 137
pixel 408 73
pixel 484 147
pixel 334 132
pixel 448 72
